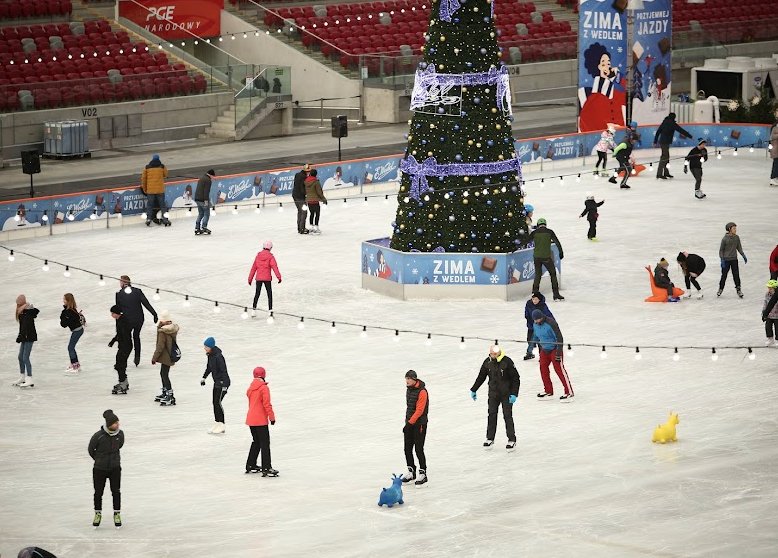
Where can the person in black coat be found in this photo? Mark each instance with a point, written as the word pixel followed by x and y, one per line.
pixel 217 368
pixel 132 304
pixel 104 449
pixel 663 138
pixel 693 163
pixel 692 266
pixel 202 198
pixel 504 383
pixel 298 195
pixel 124 338
pixel 590 211
pixel 662 279
pixel 25 315
pixel 417 407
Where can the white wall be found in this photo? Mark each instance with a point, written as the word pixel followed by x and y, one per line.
pixel 310 79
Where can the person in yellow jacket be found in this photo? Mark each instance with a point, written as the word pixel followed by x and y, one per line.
pixel 153 185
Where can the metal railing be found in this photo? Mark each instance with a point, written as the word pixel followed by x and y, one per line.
pixel 269 84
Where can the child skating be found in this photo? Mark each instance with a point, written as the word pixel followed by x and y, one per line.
pixel 605 144
pixel 771 321
pixel 728 251
pixel 590 211
pixel 693 163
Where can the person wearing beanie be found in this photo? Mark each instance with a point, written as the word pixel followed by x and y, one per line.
pixel 132 301
pixel 692 266
pixel 203 200
pixel 217 369
pixel 152 182
pixel 417 405
pixel 166 354
pixel 606 143
pixel 664 138
pixel 504 383
pixel 770 316
pixel 623 154
pixel 25 314
pixel 35 552
pixel 298 196
pixel 536 302
pixel 314 196
pixel 728 251
pixel 260 413
pixel 591 213
pixel 662 279
pixel 104 449
pixel 124 338
pixel 693 163
pixel 262 271
pixel 551 344
pixel 543 237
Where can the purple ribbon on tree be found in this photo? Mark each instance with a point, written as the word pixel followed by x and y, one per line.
pixel 418 173
pixel 447 9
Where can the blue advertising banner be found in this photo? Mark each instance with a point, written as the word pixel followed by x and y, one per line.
pixel 602 65
pixel 448 268
pixel 652 64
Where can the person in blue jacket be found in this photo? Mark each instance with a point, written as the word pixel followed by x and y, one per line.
pixel 536 302
pixel 549 338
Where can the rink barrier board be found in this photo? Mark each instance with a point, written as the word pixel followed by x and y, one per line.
pixel 275 185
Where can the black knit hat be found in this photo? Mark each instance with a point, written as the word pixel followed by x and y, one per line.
pixel 110 418
pixel 210 172
pixel 412 375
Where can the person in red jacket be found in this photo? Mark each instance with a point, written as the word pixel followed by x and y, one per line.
pixel 260 413
pixel 774 263
pixel 264 263
pixel 415 429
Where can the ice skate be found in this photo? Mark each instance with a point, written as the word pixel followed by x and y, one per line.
pixel 673 299
pixel 596 172
pixel 410 475
pixel 117 519
pixel 566 398
pixel 739 292
pixel 625 187
pixel 97 519
pixel 594 239
pixel 769 342
pixel 510 446
pixel 253 469
pixel 253 312
pixel 28 383
pixel 688 294
pixel 316 230
pixel 19 382
pixel 545 396
pixel 160 397
pixel 198 232
pixel 269 472
pixel 612 180
pixel 774 182
pixel 488 444
pixel 699 295
pixel 206 230
pixel 558 297
pixel 121 388
pixel 719 292
pixel 529 356
pixel 218 428
pixel 168 400
pixel 422 480
pixel 699 194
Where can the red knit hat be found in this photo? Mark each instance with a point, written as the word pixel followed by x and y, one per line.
pixel 259 372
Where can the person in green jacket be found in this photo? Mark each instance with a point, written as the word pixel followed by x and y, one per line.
pixel 543 237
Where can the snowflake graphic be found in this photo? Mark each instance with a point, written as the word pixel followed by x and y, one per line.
pixel 706 131
pixel 620 50
pixel 494 279
pixel 415 271
pixel 372 257
pixel 758 133
pixel 513 263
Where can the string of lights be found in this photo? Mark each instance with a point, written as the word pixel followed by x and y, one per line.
pixel 395 332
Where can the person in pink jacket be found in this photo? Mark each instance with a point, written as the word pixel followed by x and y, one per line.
pixel 260 413
pixel 264 263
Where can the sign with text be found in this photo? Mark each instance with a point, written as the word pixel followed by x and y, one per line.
pixel 175 19
pixel 652 64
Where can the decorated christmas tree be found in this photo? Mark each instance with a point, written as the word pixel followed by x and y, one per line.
pixel 461 183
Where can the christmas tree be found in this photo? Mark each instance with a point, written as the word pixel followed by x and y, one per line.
pixel 461 183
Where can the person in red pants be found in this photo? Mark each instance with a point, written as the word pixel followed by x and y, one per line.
pixel 549 338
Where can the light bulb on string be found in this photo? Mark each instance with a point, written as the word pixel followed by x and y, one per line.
pixel 93 216
pixel 258 210
pixel 156 295
pixel 734 154
pixel 363 334
pixel 561 180
pixel 333 329
pixel 676 355
pixel 462 344
pixel 301 324
pixel 216 308
pixel 280 207
pixel 396 337
pixel 187 304
pixel 245 314
pixel 345 203
pixel 270 319
pixel 603 354
pixel 751 354
pixel 751 149
pixel 570 351
pixel 714 356
pixel 578 178
pixel 11 256
pixel 71 217
pixel 428 342
pixel 235 210
pixel 718 155
pixel 101 282
pixel 143 215
pixel 638 356
pixel 45 265
pixel 67 271
pixel 45 217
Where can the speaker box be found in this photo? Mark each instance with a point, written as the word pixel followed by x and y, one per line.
pixel 339 126
pixel 31 162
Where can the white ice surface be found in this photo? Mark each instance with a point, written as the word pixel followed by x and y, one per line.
pixel 585 479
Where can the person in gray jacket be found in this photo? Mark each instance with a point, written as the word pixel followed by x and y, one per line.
pixel 730 246
pixel 203 200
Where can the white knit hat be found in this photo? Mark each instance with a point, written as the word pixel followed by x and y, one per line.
pixel 164 316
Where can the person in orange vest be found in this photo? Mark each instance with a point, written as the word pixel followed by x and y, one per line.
pixel 152 182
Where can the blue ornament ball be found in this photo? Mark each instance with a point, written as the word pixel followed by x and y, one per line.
pixel 472 235
pixel 419 231
pixel 483 51
pixel 476 100
pixel 410 214
pixel 487 181
pixel 506 140
pixel 441 110
pixel 458 157
pixel 490 143
pixel 456 127
pixel 424 142
pixel 480 157
pixel 468 64
pixel 488 202
pixel 474 249
pixel 494 219
pixel 442 139
pixel 487 235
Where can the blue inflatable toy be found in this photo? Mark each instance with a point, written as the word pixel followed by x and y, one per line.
pixel 393 495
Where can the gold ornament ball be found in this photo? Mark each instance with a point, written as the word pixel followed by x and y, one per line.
pixel 436 206
pixel 478 144
pixel 402 226
pixel 466 179
pixel 500 157
pixel 442 38
pixel 493 111
pixel 487 90
pixel 410 137
pixel 440 66
pixel 431 216
pixel 480 126
pixel 413 152
pixel 429 153
pixel 429 245
pixel 491 34
pixel 464 201
pixel 477 193
pixel 470 142
pixel 461 236
pixel 432 126
pixel 475 8
pixel 464 89
pixel 510 214
pixel 498 126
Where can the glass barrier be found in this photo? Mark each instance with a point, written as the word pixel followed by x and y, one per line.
pixel 263 84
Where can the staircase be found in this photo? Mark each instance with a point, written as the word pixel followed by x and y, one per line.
pixel 251 15
pixel 223 127
pixel 560 12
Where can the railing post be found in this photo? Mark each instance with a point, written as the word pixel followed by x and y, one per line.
pixel 321 112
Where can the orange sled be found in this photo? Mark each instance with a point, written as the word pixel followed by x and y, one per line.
pixel 638 170
pixel 659 294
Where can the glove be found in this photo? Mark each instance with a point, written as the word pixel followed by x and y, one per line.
pixel 153 362
pixel 249 283
pixel 407 428
pixel 272 422
pixel 156 318
pixel 745 260
pixel 511 399
pixel 472 394
pixel 202 382
pixel 279 281
pixel 112 342
pixel 558 356
pixel 685 169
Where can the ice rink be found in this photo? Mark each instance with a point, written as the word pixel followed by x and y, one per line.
pixel 585 479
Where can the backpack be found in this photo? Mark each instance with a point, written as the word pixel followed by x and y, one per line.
pixel 82 318
pixel 175 352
